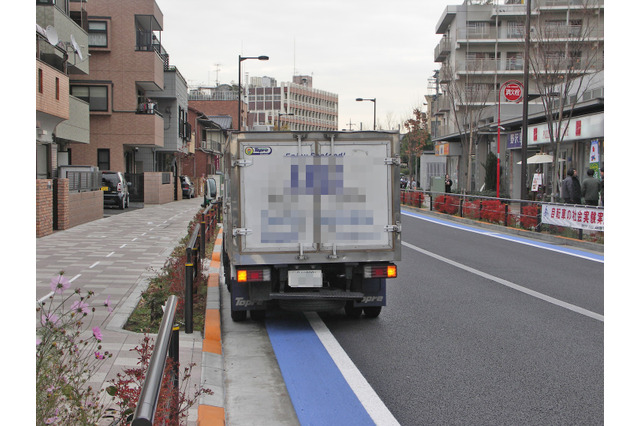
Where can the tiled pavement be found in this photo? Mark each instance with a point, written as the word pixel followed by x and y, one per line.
pixel 115 256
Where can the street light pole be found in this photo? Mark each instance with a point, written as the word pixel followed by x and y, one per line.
pixel 280 114
pixel 374 108
pixel 240 59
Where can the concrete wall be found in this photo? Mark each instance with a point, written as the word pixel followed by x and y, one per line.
pixel 155 192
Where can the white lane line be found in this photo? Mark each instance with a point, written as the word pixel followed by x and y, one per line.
pixel 123 246
pixel 134 239
pixel 371 402
pixel 42 299
pixel 111 254
pixel 509 284
pixel 94 265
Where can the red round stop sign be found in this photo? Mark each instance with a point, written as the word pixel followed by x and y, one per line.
pixel 513 92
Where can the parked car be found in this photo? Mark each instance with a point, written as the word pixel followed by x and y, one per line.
pixel 210 191
pixel 188 188
pixel 115 189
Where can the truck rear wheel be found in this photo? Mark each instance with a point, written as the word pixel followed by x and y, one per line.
pixel 372 311
pixel 238 316
pixel 258 314
pixel 351 311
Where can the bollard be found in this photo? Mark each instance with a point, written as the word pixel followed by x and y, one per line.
pixel 188 294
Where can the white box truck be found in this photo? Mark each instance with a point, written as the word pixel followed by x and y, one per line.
pixel 311 221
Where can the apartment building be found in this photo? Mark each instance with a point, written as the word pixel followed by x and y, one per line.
pixel 61 55
pixel 482 48
pixel 137 100
pixel 295 105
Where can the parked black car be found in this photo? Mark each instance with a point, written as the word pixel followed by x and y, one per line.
pixel 115 189
pixel 188 188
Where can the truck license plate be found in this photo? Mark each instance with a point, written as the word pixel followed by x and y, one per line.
pixel 305 279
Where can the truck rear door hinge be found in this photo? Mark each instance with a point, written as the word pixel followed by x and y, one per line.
pixel 392 161
pixel 241 163
pixel 241 231
pixel 393 228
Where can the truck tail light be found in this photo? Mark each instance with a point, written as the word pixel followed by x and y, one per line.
pixel 381 271
pixel 253 275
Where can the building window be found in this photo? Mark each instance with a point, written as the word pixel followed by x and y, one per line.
pixel 57 89
pixel 104 162
pixel 98 34
pixel 40 81
pixel 96 96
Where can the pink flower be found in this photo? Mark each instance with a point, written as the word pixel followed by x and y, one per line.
pixel 107 303
pixel 38 341
pixel 97 333
pixel 98 355
pixel 80 307
pixel 60 283
pixel 52 318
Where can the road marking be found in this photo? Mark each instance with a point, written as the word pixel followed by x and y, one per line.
pixel 42 299
pixel 519 240
pixel 123 246
pixel 111 254
pixel 134 239
pixel 370 400
pixel 94 265
pixel 318 390
pixel 509 284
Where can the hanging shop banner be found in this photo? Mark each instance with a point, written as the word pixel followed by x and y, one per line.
pixel 587 218
pixel 594 158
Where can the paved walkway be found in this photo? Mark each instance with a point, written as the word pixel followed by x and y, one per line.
pixel 115 257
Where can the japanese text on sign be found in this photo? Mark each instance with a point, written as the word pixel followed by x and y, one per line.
pixel 573 216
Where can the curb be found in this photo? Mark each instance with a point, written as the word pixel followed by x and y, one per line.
pixel 211 408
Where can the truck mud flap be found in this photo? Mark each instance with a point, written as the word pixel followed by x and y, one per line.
pixel 240 300
pixel 375 293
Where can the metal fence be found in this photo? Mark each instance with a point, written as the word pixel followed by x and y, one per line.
pixel 167 344
pixel 196 247
pixel 84 181
pixel 572 221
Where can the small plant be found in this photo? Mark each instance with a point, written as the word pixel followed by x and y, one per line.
pixel 493 211
pixel 471 209
pixel 173 403
pixel 67 355
pixel 529 217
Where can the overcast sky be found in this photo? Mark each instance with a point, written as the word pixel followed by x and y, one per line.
pixel 355 48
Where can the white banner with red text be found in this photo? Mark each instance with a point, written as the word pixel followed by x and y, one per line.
pixel 588 218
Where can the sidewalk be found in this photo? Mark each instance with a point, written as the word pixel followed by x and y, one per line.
pixel 115 257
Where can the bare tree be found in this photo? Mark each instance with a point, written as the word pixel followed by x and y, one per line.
pixel 467 98
pixel 566 52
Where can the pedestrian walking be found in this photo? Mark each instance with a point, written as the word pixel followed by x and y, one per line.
pixel 447 184
pixel 567 187
pixel 591 189
pixel 576 192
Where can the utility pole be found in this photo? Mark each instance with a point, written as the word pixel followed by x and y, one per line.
pixel 525 107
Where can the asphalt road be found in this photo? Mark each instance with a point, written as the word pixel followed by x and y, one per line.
pixel 480 330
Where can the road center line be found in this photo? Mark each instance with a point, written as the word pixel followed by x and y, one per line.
pixel 509 284
pixel 94 265
pixel 371 402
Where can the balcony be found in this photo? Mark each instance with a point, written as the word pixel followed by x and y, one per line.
pixel 76 128
pixel 442 50
pixel 138 129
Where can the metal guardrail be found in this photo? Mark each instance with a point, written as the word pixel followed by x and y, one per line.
pixel 514 213
pixel 196 247
pixel 166 345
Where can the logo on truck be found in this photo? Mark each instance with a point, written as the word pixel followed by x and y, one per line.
pixel 257 150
